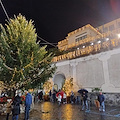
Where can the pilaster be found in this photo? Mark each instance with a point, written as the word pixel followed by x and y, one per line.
pixel 107 85
pixel 74 64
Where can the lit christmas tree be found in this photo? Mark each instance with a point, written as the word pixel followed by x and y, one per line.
pixel 47 87
pixel 23 63
pixel 68 86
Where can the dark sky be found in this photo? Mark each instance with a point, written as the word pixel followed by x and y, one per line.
pixel 54 19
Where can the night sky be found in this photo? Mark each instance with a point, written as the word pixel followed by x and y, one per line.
pixel 54 19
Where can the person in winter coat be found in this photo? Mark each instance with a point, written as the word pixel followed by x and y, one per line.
pixel 50 95
pixel 16 107
pixel 77 100
pixel 28 102
pixel 8 108
pixel 40 96
pixel 64 98
pixel 54 96
pixel 101 99
pixel 59 99
pixel 85 102
pixel 72 97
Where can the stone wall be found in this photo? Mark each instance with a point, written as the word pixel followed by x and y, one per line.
pixel 111 99
pixel 101 70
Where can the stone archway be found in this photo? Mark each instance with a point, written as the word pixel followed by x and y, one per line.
pixel 59 80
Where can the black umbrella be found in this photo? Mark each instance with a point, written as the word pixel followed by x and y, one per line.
pixel 82 90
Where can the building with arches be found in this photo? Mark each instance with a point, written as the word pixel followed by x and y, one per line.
pixel 92 58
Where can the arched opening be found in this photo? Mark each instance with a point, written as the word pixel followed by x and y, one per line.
pixel 59 81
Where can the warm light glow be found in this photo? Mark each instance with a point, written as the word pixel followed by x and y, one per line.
pixel 118 35
pixel 68 86
pixel 89 49
pixel 99 41
pixel 46 108
pixel 68 112
pixel 47 87
pixel 107 39
pixel 92 44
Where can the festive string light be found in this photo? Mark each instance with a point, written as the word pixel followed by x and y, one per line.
pixel 99 41
pixel 92 44
pixel 107 39
pixel 118 35
pixel 83 47
pixel 87 50
pixel 47 87
pixel 68 86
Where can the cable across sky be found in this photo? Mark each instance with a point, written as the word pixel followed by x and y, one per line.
pixel 9 21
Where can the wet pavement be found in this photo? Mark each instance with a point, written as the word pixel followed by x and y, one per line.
pixel 52 111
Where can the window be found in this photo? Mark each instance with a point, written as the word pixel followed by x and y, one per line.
pixel 80 38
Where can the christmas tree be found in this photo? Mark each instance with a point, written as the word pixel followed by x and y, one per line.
pixel 23 63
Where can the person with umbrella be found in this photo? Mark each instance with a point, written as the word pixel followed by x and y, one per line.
pixel 84 92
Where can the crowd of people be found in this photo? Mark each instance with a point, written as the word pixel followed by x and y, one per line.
pixel 60 97
pixel 13 105
pixel 74 98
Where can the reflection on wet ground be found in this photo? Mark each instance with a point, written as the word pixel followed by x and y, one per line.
pixel 52 111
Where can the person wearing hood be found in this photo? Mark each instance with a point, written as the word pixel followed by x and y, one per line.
pixel 16 107
pixel 28 102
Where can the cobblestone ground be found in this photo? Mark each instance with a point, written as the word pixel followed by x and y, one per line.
pixel 51 111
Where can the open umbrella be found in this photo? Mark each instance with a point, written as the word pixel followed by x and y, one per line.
pixel 82 90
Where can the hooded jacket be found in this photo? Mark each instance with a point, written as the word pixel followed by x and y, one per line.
pixel 28 99
pixel 101 98
pixel 16 105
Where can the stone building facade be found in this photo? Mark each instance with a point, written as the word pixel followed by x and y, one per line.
pixel 100 70
pixel 92 58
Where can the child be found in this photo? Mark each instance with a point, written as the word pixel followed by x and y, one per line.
pixel 72 97
pixel 64 98
pixel 59 99
pixel 8 108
